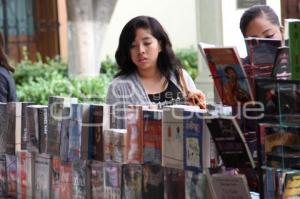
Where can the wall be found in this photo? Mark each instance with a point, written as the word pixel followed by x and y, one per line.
pixel 177 17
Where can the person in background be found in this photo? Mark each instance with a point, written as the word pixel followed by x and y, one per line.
pixel 7 83
pixel 148 68
pixel 261 21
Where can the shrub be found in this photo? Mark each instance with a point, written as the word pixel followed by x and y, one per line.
pixel 37 81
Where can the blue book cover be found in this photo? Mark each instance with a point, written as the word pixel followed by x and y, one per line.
pixel 75 133
pixel 192 140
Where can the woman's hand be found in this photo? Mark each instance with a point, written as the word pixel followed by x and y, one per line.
pixel 197 97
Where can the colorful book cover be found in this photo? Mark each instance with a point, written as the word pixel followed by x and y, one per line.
pixel 132 181
pixel 152 136
pixel 174 183
pixel 80 180
pixel 291 185
pixel 281 68
pixel 11 170
pixel 228 75
pixel 134 117
pixel 153 181
pixel 192 140
pixel 172 137
pixel 42 176
pixel 115 145
pixel 65 188
pixel 55 177
pixel 195 185
pixel 294 42
pixel 230 142
pixel 112 182
pixel 97 180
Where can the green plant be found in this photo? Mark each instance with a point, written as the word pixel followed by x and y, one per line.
pixel 189 60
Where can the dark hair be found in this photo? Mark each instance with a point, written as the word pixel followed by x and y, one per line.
pixel 227 68
pixel 3 57
pixel 166 62
pixel 258 11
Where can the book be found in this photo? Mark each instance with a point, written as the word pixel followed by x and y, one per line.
pixel 132 181
pixel 65 175
pixel 55 177
pixel 115 145
pixel 281 68
pixel 42 114
pixel 262 51
pixel 56 106
pixel 291 185
pixel 229 186
pixel 195 185
pixel 97 179
pixel 11 171
pixel 192 140
pixel 228 75
pixel 230 142
pixel 153 181
pixel 3 177
pixel 294 44
pixel 42 176
pixel 134 119
pixel 64 137
pixel 112 182
pixel 25 174
pixel 11 128
pixel 174 183
pixel 99 120
pixel 80 179
pixel 3 127
pixel 152 136
pixel 280 100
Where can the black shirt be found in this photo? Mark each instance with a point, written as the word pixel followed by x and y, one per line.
pixel 7 86
pixel 172 95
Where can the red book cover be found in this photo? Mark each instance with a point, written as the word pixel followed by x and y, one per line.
pixel 55 171
pixel 228 74
pixel 134 134
pixel 152 136
pixel 65 190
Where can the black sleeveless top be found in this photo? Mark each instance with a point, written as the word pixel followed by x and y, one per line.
pixel 172 95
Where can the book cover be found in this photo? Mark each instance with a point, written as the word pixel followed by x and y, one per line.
pixel 132 181
pixel 3 177
pixel 3 127
pixel 294 44
pixel 174 183
pixel 55 177
pixel 261 51
pixel 152 136
pixel 64 137
pixel 25 173
pixel 11 170
pixel 80 179
pixel 115 145
pixel 97 179
pixel 42 114
pixel 195 185
pixel 99 120
pixel 228 75
pixel 42 176
pixel 281 68
pixel 229 186
pixel 291 185
pixel 192 140
pixel 112 180
pixel 65 187
pixel 134 117
pixel 11 128
pixel 230 142
pixel 172 137
pixel 153 181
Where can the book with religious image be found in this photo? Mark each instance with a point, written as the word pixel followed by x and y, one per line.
pixel 112 180
pixel 230 142
pixel 228 75
pixel 132 181
pixel 97 179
